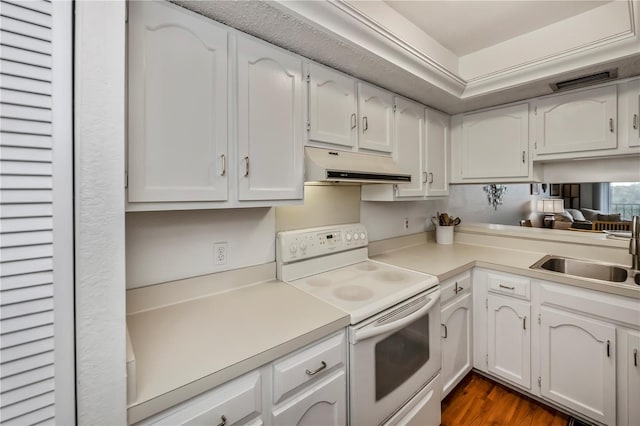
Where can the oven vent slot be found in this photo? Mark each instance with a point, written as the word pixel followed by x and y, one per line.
pixel 402 311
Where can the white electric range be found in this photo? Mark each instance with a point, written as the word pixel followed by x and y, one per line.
pixel 394 339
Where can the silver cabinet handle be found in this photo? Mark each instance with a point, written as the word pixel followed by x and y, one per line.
pixel 224 165
pixel 446 332
pixel 246 166
pixel 458 289
pixel 611 125
pixel 317 370
pixel 635 357
pixel 523 153
pixel 224 420
pixel 365 123
pixel 608 348
pixel 635 121
pixel 507 287
pixel 354 121
pixel 524 323
pixel 430 177
pixel 424 177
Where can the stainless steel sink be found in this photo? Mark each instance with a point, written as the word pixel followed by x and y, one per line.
pixel 588 269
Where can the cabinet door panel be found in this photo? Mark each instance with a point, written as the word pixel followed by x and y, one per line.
pixel 270 145
pixel 177 105
pixel 495 143
pixel 409 135
pixel 332 107
pixel 456 342
pixel 436 147
pixel 375 108
pixel 578 364
pixel 632 95
pixel 579 121
pixel 509 339
pixel 633 377
pixel 323 404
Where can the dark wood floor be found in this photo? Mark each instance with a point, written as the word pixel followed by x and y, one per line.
pixel 480 401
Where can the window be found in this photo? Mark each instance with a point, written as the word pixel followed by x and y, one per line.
pixel 624 198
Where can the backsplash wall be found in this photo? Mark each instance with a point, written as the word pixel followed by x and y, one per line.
pixel 469 202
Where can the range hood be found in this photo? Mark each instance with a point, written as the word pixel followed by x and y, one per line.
pixel 324 165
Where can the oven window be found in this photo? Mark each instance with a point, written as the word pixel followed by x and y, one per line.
pixel 401 355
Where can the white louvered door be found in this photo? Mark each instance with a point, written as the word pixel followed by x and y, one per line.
pixel 36 257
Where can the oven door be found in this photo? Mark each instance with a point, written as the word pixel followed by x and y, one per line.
pixel 392 356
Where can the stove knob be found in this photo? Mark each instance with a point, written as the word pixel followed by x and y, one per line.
pixel 303 246
pixel 293 248
pixel 356 236
pixel 349 236
pixel 362 236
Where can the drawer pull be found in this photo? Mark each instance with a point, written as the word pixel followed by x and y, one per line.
pixel 317 370
pixel 430 177
pixel 608 348
pixel 446 332
pixel 458 289
pixel 246 166
pixel 611 125
pixel 524 323
pixel 224 420
pixel 635 121
pixel 365 124
pixel 354 121
pixel 507 287
pixel 635 357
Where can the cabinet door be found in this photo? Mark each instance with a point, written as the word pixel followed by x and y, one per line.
pixel 409 136
pixel 580 121
pixel 495 144
pixel 332 107
pixel 375 108
pixel 509 339
pixel 270 145
pixel 436 146
pixel 323 404
pixel 578 364
pixel 177 105
pixel 628 377
pixel 632 96
pixel 456 342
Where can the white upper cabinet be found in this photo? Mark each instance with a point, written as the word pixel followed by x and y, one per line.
pixel 375 110
pixel 495 143
pixel 578 367
pixel 438 125
pixel 410 146
pixel 269 103
pixel 177 105
pixel 577 121
pixel 630 121
pixel 332 107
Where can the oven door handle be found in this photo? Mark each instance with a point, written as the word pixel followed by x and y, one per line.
pixel 366 333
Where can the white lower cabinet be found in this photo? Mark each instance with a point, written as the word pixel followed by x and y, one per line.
pixel 628 363
pixel 306 387
pixel 456 337
pixel 509 339
pixel 578 363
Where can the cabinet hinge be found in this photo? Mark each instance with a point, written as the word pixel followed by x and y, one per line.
pixel 308 77
pixel 308 126
pixel 539 381
pixel 539 319
pixel 126 179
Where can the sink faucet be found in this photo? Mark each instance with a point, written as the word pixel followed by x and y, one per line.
pixel 634 244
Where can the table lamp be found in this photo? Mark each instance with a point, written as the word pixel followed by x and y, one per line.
pixel 549 207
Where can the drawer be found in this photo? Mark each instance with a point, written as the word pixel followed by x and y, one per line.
pixel 237 401
pixel 456 286
pixel 307 365
pixel 511 285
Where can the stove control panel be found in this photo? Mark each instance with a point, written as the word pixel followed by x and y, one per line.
pixel 312 242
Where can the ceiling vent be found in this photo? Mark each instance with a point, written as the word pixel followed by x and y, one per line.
pixel 586 80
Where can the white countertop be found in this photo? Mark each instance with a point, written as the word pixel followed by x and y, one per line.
pixel 187 348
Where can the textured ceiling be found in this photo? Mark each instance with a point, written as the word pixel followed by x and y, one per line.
pixel 467 26
pixel 269 23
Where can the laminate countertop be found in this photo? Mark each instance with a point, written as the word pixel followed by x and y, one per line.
pixel 187 348
pixel 446 261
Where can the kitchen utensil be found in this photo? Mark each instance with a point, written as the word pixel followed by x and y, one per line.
pixel 435 221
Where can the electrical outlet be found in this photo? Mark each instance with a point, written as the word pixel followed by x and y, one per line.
pixel 220 253
pixel 406 223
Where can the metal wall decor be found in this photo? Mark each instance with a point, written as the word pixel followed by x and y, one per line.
pixel 495 194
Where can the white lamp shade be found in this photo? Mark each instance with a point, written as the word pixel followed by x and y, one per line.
pixel 549 205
